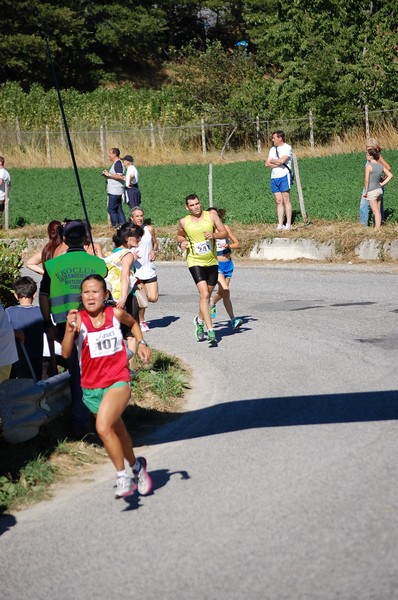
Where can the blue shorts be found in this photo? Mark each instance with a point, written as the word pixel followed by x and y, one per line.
pixel 280 184
pixel 226 267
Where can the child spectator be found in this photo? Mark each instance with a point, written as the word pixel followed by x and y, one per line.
pixel 28 324
pixel 8 350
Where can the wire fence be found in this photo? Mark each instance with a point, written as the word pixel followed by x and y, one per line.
pixel 203 137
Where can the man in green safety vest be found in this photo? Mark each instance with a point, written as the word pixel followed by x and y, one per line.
pixel 59 293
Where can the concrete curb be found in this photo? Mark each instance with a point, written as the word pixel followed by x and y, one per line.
pixel 268 249
pixel 286 249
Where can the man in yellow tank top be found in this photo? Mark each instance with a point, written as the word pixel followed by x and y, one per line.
pixel 196 234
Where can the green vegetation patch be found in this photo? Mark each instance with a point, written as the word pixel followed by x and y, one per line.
pixel 331 185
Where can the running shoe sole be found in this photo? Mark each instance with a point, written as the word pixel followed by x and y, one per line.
pixel 128 492
pixel 143 482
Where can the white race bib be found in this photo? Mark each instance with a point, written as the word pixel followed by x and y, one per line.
pixel 105 342
pixel 203 247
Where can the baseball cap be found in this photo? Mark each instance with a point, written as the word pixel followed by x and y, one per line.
pixel 128 157
pixel 74 230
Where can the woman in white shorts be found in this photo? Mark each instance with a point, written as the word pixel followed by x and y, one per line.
pixel 374 183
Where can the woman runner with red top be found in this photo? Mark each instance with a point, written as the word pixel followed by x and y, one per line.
pixel 105 378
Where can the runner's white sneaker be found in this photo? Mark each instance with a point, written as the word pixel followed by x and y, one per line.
pixel 144 326
pixel 124 487
pixel 141 478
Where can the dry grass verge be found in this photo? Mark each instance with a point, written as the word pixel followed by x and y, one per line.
pixel 89 155
pixel 347 235
pixel 30 470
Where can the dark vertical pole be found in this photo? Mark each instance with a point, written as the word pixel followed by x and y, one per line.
pixel 61 106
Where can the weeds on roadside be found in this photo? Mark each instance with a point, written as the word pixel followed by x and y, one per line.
pixel 160 384
pixel 29 470
pixel 33 483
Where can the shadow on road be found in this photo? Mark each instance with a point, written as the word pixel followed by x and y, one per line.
pixel 6 522
pixel 163 322
pixel 277 412
pixel 159 478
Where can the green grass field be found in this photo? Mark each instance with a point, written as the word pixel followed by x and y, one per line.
pixel 331 186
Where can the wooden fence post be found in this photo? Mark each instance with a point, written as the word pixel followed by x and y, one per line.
pixel 210 184
pixel 311 130
pixel 367 130
pixel 106 136
pixel 299 188
pixel 102 143
pixel 48 149
pixel 202 126
pixel 267 131
pixel 61 133
pixel 152 131
pixel 258 135
pixel 17 131
pixel 160 134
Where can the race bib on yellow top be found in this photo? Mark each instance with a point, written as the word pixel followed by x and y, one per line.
pixel 203 247
pixel 104 343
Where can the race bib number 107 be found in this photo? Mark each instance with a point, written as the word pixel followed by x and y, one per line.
pixel 104 343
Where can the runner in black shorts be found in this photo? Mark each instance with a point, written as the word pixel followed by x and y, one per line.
pixel 196 234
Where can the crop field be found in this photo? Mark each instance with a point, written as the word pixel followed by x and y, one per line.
pixel 331 187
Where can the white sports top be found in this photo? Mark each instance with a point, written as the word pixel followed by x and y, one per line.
pixel 144 268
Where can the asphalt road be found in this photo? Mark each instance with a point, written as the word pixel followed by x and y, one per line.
pixel 279 480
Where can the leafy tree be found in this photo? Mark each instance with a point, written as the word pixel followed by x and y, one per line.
pixel 329 55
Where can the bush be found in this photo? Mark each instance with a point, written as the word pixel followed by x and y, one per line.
pixel 11 262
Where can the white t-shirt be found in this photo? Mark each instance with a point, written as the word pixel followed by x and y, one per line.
pixel 284 150
pixel 144 268
pixel 131 175
pixel 4 177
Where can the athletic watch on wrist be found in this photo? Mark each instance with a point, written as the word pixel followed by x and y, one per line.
pixel 143 342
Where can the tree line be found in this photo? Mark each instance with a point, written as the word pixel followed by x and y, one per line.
pixel 222 60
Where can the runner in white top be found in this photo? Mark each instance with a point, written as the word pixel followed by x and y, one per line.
pixel 144 267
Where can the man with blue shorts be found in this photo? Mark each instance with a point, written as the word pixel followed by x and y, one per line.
pixel 280 161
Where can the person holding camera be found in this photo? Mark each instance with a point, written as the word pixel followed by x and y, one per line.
pixel 115 188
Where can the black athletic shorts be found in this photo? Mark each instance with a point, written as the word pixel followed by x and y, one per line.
pixel 208 274
pixel 132 308
pixel 151 280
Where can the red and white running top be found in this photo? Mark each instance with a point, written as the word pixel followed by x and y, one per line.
pixel 102 353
